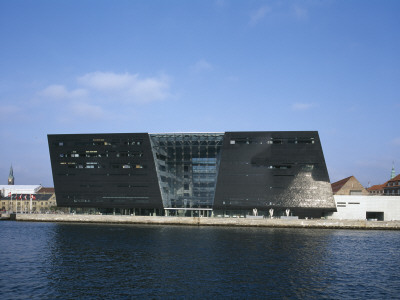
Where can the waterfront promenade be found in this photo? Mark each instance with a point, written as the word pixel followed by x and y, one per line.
pixel 196 221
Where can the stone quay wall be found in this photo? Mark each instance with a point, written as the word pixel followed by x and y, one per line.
pixel 199 221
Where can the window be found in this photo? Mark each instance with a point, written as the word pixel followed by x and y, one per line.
pixel 355 192
pixel 282 167
pixel 91 165
pixel 306 141
pixel 308 167
pixel 277 141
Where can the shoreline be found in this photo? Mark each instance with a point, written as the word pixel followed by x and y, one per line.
pixel 204 221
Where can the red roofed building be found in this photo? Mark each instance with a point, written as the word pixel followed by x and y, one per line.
pixel 392 187
pixel 376 189
pixel 46 190
pixel 348 186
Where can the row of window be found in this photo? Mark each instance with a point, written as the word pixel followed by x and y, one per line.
pixel 94 153
pixel 393 183
pixel 392 192
pixel 272 141
pixel 43 203
pixel 100 142
pixel 103 174
pixel 118 185
pixel 96 165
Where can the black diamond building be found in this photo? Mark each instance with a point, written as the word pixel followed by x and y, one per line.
pixel 192 174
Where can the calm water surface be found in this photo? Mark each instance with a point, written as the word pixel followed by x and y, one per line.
pixel 87 261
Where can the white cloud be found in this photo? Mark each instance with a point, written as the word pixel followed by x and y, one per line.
pixel 104 95
pixel 202 65
pixel 59 92
pixel 127 87
pixel 259 14
pixel 107 80
pixel 301 106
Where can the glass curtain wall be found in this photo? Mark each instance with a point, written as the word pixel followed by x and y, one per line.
pixel 187 168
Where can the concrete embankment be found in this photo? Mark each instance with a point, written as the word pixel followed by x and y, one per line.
pixel 245 222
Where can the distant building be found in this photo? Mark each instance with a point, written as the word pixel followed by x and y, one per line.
pixel 8 190
pixel 27 198
pixel 389 188
pixel 11 177
pixel 392 187
pixel 348 186
pixel 376 190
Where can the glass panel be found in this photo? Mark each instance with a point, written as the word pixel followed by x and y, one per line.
pixel 187 167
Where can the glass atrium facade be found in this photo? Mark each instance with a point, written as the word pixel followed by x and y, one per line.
pixel 187 168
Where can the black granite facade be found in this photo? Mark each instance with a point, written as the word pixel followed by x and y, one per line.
pixel 104 171
pixel 278 170
pixel 227 172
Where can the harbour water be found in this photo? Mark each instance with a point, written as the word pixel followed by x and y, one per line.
pixel 96 261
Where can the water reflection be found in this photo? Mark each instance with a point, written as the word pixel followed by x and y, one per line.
pixel 125 261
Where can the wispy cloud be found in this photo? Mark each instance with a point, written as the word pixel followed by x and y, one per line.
pixel 120 87
pixel 201 66
pixel 129 87
pixel 104 95
pixel 106 80
pixel 57 91
pixel 259 14
pixel 301 106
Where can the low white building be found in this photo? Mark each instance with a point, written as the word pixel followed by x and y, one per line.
pixel 6 190
pixel 380 208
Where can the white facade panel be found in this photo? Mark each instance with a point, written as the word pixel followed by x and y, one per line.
pixel 356 207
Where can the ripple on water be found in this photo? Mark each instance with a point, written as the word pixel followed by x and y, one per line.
pixel 68 261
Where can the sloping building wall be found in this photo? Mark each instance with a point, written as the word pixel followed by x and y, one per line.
pixel 277 170
pixel 104 171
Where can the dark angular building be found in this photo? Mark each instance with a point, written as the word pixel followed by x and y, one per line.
pixel 192 173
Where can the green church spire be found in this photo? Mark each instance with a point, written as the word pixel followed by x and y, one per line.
pixel 393 175
pixel 11 176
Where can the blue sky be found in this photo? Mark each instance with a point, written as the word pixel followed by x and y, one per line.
pixel 224 65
